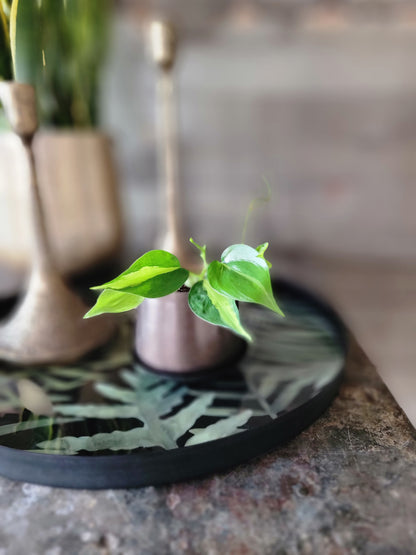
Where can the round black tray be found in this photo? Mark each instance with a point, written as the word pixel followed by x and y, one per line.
pixel 115 425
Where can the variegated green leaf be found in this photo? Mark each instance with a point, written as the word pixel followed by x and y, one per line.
pixel 114 302
pixel 215 308
pixel 155 274
pixel 244 281
pixel 244 252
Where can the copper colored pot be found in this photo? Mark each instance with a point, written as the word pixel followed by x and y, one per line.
pixel 171 339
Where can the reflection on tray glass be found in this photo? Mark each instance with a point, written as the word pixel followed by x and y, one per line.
pixel 111 405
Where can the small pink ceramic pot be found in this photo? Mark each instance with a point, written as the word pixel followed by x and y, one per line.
pixel 171 339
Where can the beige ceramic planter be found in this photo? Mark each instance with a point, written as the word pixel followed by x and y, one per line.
pixel 79 193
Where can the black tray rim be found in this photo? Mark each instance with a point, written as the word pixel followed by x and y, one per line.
pixel 149 468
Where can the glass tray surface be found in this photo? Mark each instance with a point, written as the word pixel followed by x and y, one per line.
pixel 108 422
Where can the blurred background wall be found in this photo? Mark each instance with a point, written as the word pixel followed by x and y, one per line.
pixel 319 96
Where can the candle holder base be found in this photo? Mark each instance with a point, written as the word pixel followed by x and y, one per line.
pixel 48 327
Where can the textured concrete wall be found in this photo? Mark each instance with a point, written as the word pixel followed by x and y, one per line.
pixel 318 96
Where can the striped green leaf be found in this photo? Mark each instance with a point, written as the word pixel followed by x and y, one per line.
pixel 155 274
pixel 243 280
pixel 215 308
pixel 114 302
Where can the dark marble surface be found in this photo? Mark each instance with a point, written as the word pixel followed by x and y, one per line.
pixel 344 486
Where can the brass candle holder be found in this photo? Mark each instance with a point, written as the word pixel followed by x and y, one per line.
pixel 47 325
pixel 163 42
pixel 170 338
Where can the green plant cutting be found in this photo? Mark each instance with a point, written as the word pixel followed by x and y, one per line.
pixel 242 274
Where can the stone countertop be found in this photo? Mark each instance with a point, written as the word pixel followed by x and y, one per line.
pixel 343 486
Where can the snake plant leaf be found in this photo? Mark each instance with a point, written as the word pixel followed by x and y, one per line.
pixel 83 36
pixel 215 308
pixel 58 47
pixel 6 5
pixel 114 302
pixel 155 274
pixel 26 29
pixel 5 54
pixel 243 280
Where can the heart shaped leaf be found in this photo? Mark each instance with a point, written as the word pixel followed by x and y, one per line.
pixel 114 301
pixel 215 308
pixel 244 252
pixel 244 281
pixel 155 274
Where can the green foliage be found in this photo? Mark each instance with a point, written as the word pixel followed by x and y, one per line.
pixel 155 274
pixel 108 401
pixel 243 274
pixel 244 281
pixel 222 428
pixel 114 301
pixel 58 46
pixel 6 5
pixel 5 56
pixel 151 401
pixel 215 308
pixel 261 249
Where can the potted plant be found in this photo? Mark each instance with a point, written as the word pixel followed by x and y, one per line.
pixel 169 334
pixel 58 46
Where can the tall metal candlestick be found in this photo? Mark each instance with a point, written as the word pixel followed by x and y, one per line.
pixel 47 326
pixel 169 337
pixel 163 45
